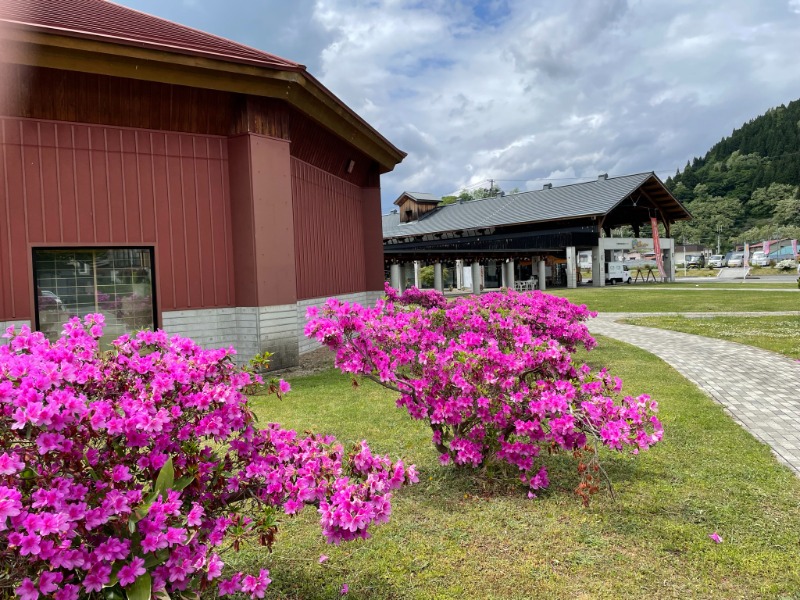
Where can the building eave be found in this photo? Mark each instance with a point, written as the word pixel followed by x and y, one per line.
pixel 86 53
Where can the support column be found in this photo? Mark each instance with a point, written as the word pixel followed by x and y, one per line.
pixel 437 277
pixel 263 248
pixel 510 273
pixel 416 274
pixel 476 277
pixel 572 280
pixel 503 273
pixel 669 264
pixel 598 267
pixel 407 276
pixel 395 276
pixel 459 274
pixel 542 276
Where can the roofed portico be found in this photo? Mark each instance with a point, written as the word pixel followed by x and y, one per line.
pixel 550 224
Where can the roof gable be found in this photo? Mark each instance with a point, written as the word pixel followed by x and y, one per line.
pixel 419 197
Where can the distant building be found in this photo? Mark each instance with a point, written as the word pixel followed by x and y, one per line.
pixel 530 235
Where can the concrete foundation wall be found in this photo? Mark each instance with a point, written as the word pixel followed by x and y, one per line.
pixel 252 330
pixel 248 329
pixel 306 344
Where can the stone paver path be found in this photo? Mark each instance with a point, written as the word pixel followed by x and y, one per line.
pixel 758 388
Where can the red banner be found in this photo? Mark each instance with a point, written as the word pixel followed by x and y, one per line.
pixel 657 248
pixel 766 248
pixel 794 248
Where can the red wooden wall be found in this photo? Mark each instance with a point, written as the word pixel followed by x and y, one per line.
pixel 88 185
pixel 328 233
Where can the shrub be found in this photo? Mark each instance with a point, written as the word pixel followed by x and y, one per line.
pixel 126 471
pixel 786 265
pixel 493 377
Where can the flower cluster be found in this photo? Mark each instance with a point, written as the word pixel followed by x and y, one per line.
pixel 130 469
pixel 493 376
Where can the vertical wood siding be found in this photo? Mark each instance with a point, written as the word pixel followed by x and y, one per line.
pixel 67 184
pixel 328 233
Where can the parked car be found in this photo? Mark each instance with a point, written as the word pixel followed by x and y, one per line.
pixel 759 259
pixel 695 261
pixel 616 272
pixel 49 300
pixel 716 261
pixel 736 259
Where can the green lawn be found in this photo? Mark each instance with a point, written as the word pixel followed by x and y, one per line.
pixel 476 535
pixel 776 333
pixel 672 298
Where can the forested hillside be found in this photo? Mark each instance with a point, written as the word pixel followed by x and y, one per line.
pixel 747 187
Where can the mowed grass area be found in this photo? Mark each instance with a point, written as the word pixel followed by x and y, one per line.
pixel 672 298
pixel 789 284
pixel 776 333
pixel 461 534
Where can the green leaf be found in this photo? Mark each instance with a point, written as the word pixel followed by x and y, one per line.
pixel 153 560
pixel 166 478
pixel 182 482
pixel 141 589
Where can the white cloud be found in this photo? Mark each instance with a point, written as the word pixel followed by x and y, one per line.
pixel 519 90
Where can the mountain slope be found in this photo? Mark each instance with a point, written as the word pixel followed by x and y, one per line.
pixel 747 186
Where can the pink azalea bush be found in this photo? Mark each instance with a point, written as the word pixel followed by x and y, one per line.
pixel 493 375
pixel 131 469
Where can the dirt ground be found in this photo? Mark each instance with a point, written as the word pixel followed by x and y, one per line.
pixel 312 362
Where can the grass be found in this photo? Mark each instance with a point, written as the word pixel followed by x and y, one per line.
pixel 672 298
pixel 476 535
pixel 737 284
pixel 776 333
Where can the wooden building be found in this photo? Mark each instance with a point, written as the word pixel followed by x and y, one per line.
pixel 170 178
pixel 530 233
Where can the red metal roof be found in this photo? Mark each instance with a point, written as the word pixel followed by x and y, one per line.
pixel 107 21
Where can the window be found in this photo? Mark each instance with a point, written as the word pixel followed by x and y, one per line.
pixel 117 282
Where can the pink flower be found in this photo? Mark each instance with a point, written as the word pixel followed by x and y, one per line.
pixel 195 516
pixel 215 565
pixel 345 589
pixel 322 558
pixel 29 544
pixel 131 572
pixel 68 592
pixel 284 387
pixel 10 464
pixel 715 537
pixel 27 590
pixel 49 581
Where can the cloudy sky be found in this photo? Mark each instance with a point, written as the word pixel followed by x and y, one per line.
pixel 528 91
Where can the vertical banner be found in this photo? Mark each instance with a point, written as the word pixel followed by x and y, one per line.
pixel 794 249
pixel 657 248
pixel 766 248
pixel 746 259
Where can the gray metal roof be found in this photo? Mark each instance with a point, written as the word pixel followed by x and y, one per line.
pixel 420 197
pixel 577 200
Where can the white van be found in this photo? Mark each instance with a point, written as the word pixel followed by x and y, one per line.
pixel 616 272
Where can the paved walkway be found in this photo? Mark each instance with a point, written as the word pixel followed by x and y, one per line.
pixel 758 388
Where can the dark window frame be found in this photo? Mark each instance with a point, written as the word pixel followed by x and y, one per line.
pixel 93 248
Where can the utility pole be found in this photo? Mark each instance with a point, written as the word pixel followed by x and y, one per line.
pixel 719 230
pixel 491 188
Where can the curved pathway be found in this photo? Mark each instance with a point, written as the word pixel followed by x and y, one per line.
pixel 758 388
